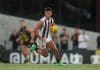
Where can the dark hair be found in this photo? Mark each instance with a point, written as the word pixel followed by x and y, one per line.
pixel 48 9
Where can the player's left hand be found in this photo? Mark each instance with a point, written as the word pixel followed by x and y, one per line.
pixel 31 41
pixel 42 39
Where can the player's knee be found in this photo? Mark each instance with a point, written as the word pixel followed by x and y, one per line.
pixel 25 53
pixel 54 46
pixel 56 51
pixel 45 55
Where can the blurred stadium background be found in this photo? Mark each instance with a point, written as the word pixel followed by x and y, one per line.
pixel 69 14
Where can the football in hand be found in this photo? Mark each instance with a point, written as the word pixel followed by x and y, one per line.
pixel 54 29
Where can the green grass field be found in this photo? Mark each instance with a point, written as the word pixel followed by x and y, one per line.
pixel 48 67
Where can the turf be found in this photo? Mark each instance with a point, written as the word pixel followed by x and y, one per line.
pixel 48 67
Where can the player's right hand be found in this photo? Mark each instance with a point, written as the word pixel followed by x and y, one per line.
pixel 42 39
pixel 17 40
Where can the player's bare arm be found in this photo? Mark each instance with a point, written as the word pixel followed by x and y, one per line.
pixel 37 28
pixel 30 30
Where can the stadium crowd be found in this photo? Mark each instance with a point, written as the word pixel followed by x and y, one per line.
pixel 79 39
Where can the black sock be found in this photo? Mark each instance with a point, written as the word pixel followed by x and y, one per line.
pixel 58 61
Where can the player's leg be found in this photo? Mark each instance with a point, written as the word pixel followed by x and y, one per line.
pixel 25 52
pixel 43 52
pixel 39 49
pixel 54 49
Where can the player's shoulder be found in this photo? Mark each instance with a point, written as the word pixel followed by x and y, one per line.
pixel 42 19
pixel 29 29
pixel 52 19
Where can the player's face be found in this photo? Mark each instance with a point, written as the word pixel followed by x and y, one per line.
pixel 76 30
pixel 48 14
pixel 64 31
pixel 83 32
pixel 22 23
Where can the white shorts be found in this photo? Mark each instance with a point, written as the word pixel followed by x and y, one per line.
pixel 41 44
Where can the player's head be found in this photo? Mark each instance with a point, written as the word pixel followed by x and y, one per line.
pixel 82 31
pixel 48 12
pixel 76 29
pixel 22 23
pixel 64 30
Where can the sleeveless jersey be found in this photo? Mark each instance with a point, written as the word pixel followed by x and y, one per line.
pixel 44 31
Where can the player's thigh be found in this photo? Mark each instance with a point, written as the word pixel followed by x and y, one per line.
pixel 52 46
pixel 25 49
pixel 22 47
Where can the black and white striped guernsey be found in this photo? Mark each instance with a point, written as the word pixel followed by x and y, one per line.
pixel 45 28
